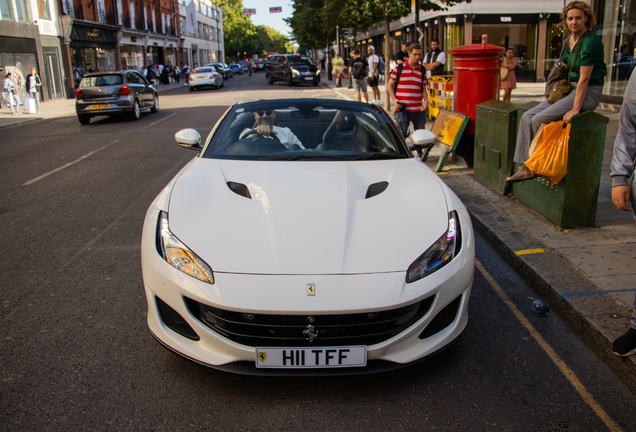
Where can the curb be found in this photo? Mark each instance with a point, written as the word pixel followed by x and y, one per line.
pixel 597 321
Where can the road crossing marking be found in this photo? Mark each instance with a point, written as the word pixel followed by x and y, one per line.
pixel 30 182
pixel 569 374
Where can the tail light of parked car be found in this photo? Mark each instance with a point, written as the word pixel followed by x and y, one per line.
pixel 124 90
pixel 190 78
pixel 78 94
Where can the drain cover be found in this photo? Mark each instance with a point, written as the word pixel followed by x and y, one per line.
pixel 561 427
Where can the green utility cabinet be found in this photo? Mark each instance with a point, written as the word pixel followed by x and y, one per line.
pixel 495 137
pixel 572 202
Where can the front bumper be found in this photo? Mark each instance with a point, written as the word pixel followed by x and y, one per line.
pixel 279 295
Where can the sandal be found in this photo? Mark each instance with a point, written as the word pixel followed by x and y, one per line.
pixel 523 174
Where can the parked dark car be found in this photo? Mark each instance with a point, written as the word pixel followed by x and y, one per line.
pixel 236 68
pixel 225 71
pixel 259 65
pixel 291 69
pixel 114 93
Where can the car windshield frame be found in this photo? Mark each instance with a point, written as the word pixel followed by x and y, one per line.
pixel 353 131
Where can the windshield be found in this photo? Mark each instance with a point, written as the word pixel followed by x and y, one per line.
pixel 101 80
pixel 299 61
pixel 306 129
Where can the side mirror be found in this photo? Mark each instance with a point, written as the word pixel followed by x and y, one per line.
pixel 189 138
pixel 422 138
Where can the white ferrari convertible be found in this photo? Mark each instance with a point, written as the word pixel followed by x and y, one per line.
pixel 306 239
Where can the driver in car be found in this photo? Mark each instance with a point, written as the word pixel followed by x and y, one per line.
pixel 266 128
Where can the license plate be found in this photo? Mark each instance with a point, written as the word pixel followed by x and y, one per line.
pixel 201 77
pixel 309 79
pixel 311 358
pixel 101 106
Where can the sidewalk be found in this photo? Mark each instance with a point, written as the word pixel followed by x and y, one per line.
pixel 587 275
pixel 52 109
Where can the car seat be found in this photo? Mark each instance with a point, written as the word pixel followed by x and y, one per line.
pixel 345 134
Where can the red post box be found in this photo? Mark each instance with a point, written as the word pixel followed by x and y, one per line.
pixel 475 78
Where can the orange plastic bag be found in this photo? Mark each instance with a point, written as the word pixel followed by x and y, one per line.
pixel 550 159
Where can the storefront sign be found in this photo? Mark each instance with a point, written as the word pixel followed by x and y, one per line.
pixel 511 19
pixel 91 37
pixel 454 20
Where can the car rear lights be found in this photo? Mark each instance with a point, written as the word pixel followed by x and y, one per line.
pixel 190 78
pixel 124 90
pixel 212 76
pixel 78 94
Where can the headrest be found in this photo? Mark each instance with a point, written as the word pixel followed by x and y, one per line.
pixel 345 120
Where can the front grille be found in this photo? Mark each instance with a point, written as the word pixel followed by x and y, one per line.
pixel 261 330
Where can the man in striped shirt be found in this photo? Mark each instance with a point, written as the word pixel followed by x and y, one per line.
pixel 409 92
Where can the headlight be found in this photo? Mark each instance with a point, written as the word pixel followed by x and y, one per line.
pixel 295 72
pixel 318 72
pixel 440 254
pixel 178 255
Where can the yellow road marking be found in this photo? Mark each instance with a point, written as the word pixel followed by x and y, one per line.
pixel 569 374
pixel 530 251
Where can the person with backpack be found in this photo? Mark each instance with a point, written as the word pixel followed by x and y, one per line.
pixel 408 91
pixel 359 69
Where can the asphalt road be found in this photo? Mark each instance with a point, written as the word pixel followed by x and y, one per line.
pixel 76 354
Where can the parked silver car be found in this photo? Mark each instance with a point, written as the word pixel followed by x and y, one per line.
pixel 114 93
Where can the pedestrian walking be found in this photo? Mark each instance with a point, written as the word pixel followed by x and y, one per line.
pixel 359 70
pixel 403 54
pixel 374 81
pixel 33 84
pixel 338 65
pixel 12 95
pixel 510 83
pixel 407 90
pixel 584 55
pixel 624 190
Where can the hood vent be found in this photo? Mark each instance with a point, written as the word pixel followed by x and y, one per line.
pixel 376 189
pixel 240 189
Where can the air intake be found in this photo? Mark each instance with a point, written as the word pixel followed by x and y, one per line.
pixel 376 189
pixel 239 189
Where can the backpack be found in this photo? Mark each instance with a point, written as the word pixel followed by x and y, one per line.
pixel 358 69
pixel 381 66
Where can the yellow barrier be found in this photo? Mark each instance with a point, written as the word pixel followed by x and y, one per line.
pixel 440 94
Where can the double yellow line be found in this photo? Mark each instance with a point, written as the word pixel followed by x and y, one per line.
pixel 569 374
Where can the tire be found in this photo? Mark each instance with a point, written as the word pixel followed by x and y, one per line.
pixel 270 80
pixel 136 112
pixel 84 119
pixel 191 88
pixel 316 84
pixel 155 106
pixel 289 81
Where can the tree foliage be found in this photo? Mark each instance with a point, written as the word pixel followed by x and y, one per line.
pixel 240 35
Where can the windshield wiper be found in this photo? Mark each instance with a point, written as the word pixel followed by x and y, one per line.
pixel 380 156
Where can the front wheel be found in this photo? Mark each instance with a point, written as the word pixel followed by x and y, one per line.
pixel 84 119
pixel 155 106
pixel 270 80
pixel 136 111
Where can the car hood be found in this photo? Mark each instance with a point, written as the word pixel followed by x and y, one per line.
pixel 308 217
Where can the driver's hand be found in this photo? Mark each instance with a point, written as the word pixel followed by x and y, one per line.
pixel 265 129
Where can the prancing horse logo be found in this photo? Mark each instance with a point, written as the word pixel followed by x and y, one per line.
pixel 311 333
pixel 262 357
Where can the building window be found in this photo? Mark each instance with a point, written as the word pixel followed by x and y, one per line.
pixel 101 11
pixel 131 5
pixel 163 23
pixel 154 21
pixel 6 12
pixel 68 8
pixel 182 25
pixel 145 18
pixel 120 13
pixel 21 10
pixel 199 30
pixel 43 9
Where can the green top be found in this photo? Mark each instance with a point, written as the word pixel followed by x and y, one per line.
pixel 338 62
pixel 590 54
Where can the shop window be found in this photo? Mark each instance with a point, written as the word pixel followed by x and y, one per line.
pixel 131 5
pixel 43 9
pixel 6 11
pixel 522 38
pixel 616 28
pixel 453 37
pixel 554 45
